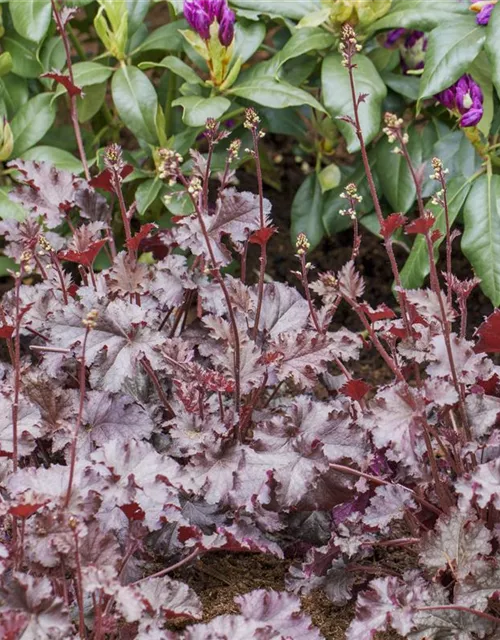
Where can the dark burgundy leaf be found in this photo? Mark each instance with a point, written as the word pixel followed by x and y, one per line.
pixel 64 80
pixel 421 225
pixel 143 233
pixel 489 334
pixel 104 180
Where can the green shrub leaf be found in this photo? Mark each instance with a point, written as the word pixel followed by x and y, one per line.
pixel 451 49
pixel 136 102
pixel 32 122
pixel 337 96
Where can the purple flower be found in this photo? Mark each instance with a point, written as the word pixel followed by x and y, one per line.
pixel 412 46
pixel 484 15
pixel 226 27
pixel 200 15
pixel 465 97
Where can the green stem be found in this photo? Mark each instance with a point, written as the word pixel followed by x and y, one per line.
pixel 169 112
pixel 75 42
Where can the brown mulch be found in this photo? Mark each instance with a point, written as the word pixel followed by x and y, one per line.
pixel 218 578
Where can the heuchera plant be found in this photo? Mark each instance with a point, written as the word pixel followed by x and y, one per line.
pixel 162 409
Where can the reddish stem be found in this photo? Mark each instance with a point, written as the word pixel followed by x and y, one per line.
pixel 72 97
pixel 78 420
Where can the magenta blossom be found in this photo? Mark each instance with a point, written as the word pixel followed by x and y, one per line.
pixel 412 47
pixel 465 97
pixel 201 14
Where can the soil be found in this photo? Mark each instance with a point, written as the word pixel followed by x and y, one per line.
pixel 218 578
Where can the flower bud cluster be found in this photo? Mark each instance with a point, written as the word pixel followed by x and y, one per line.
pixel 302 244
pixel 168 166
pixel 90 320
pixel 351 194
pixel 349 45
pixel 439 170
pixel 201 14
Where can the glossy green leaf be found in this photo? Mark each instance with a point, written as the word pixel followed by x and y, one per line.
pixel 294 10
pixel 87 74
pixel 481 237
pixel 177 66
pixel 14 91
pixel 197 109
pixel 136 102
pixel 418 14
pixel 451 49
pixel 24 56
pixel 91 102
pixel 307 212
pixel 165 38
pixel 271 93
pixel 407 86
pixel 31 18
pixel 337 96
pixel 10 210
pixel 5 63
pixel 491 46
pixel 137 10
pixel 303 41
pixel 58 157
pixel 146 194
pixel 457 154
pixel 248 37
pixel 416 267
pixel 32 122
pixel 52 54
pixel 395 178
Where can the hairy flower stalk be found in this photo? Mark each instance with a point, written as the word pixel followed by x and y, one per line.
pixel 354 198
pixel 170 169
pixel 394 130
pixel 252 122
pixel 441 199
pixel 348 49
pixel 113 161
pixel 61 27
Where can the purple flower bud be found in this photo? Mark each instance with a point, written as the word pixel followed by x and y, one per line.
pixel 226 27
pixel 393 36
pixel 413 51
pixel 202 24
pixel 484 15
pixel 190 8
pixel 447 98
pixel 216 10
pixel 472 117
